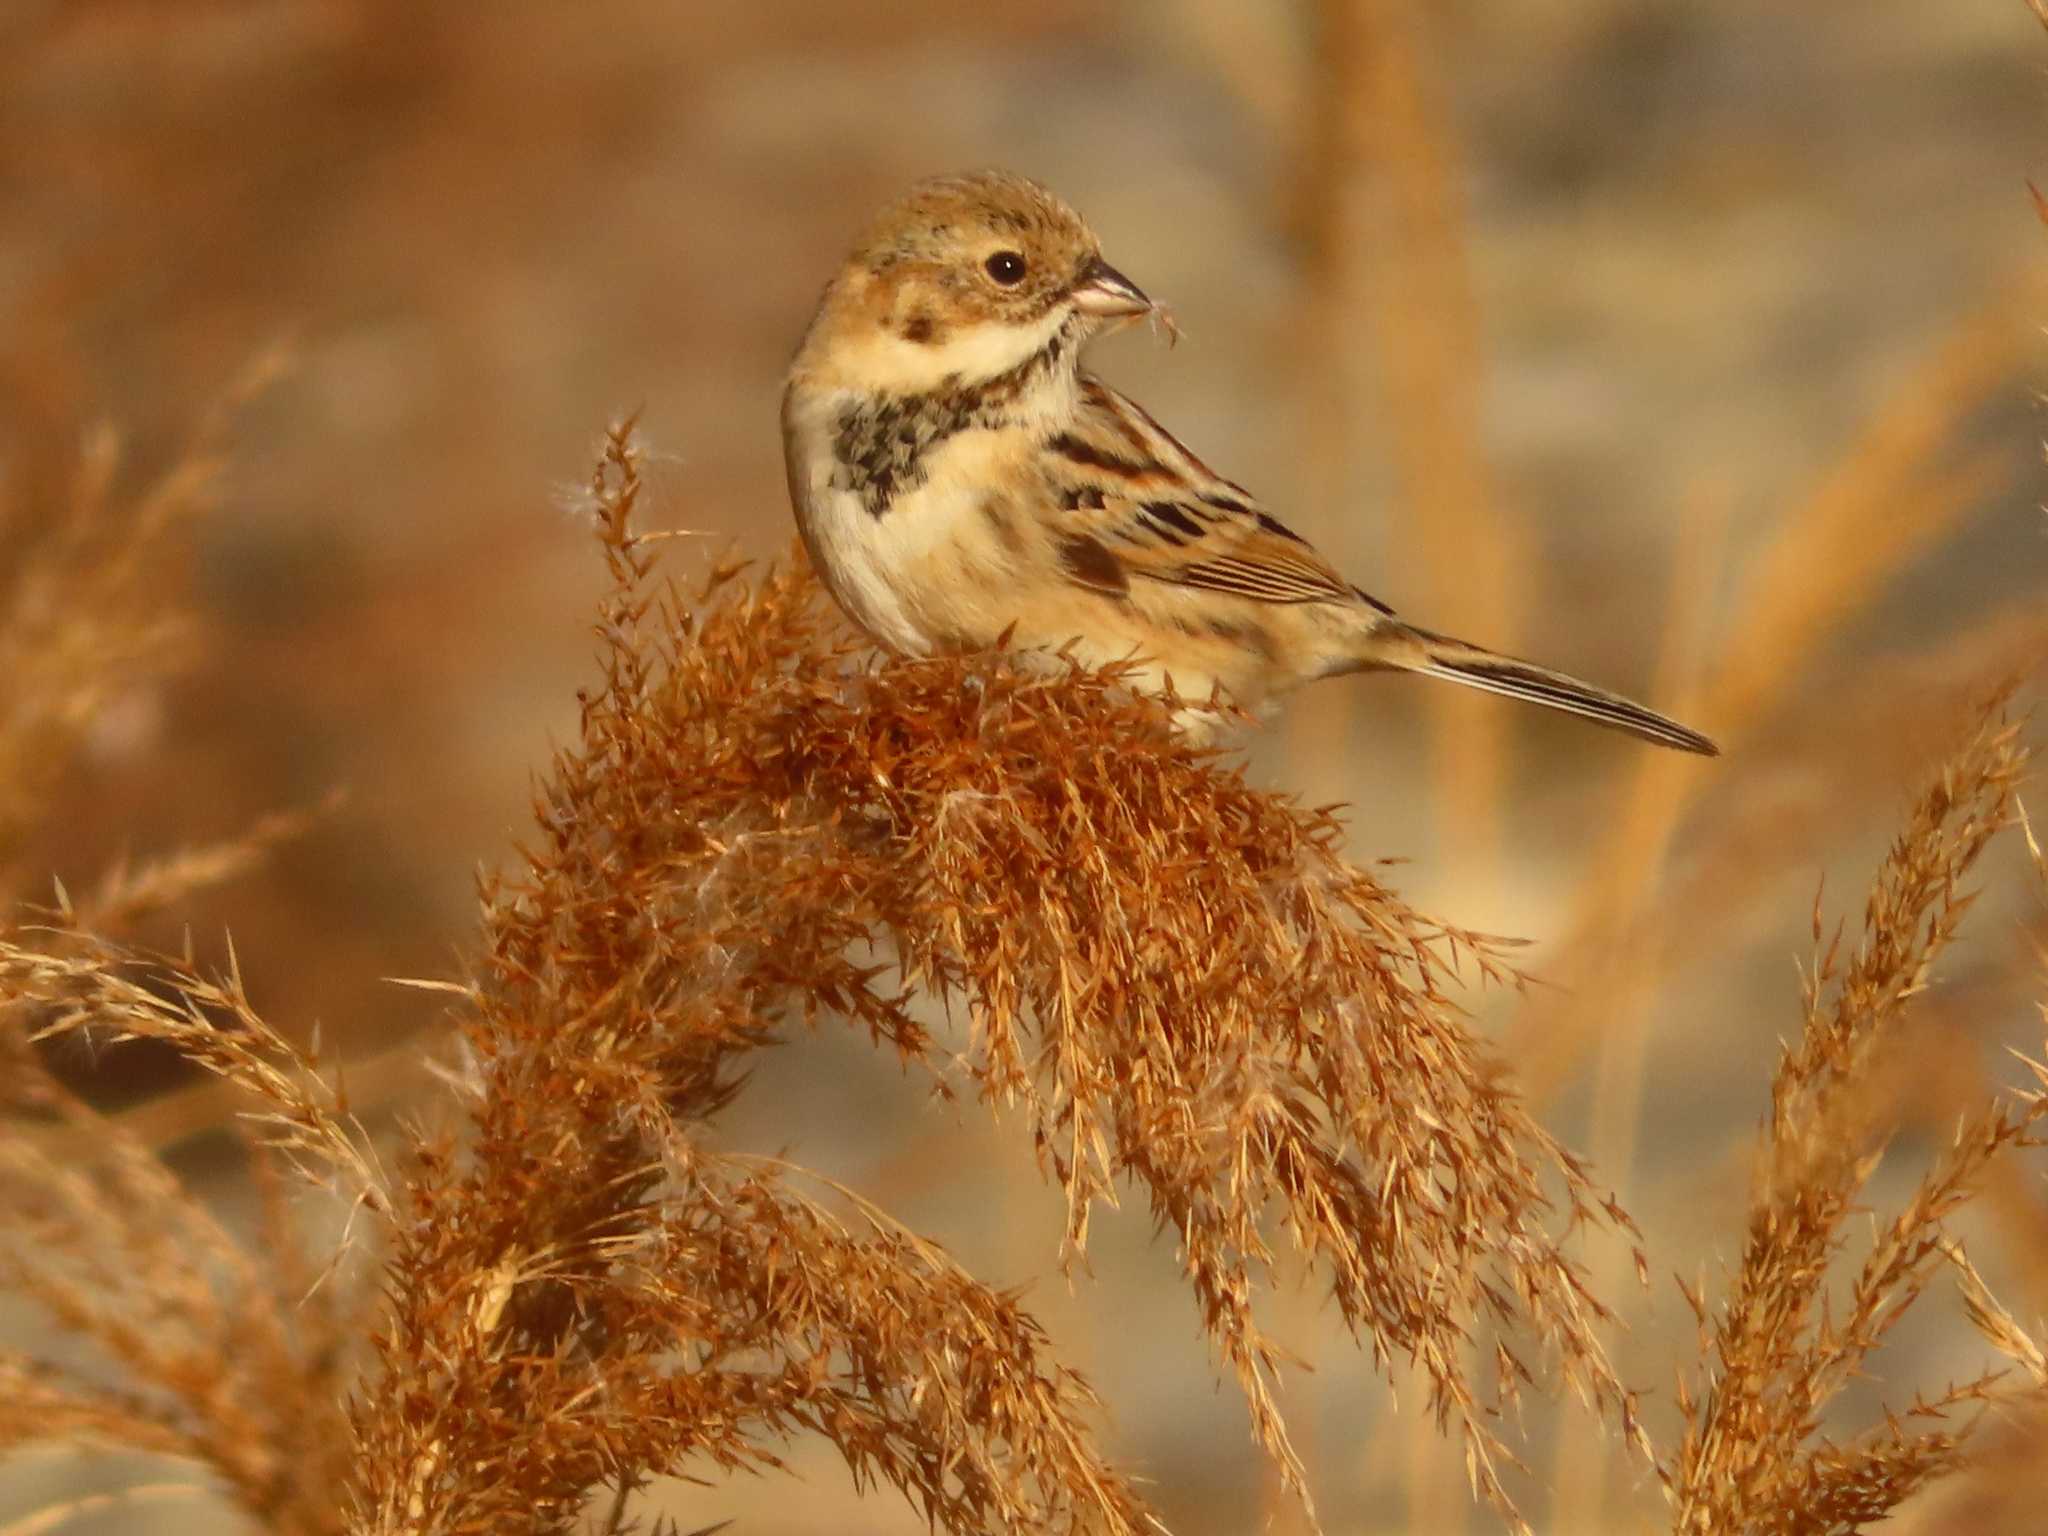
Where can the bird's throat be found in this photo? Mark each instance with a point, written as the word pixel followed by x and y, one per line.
pixel 882 442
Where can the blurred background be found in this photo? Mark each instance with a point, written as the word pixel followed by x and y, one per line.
pixel 1690 347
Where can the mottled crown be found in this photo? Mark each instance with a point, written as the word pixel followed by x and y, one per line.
pixel 961 278
pixel 936 220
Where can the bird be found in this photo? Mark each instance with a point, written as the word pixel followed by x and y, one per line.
pixel 961 482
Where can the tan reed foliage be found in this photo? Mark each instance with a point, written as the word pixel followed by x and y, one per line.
pixel 152 1275
pixel 1384 223
pixel 93 611
pixel 1781 1344
pixel 85 610
pixel 1895 494
pixel 227 1354
pixel 2007 1478
pixel 231 1354
pixel 1173 976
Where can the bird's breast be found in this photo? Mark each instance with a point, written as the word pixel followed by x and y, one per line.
pixel 915 530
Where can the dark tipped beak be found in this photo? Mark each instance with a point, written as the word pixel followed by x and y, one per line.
pixel 1103 291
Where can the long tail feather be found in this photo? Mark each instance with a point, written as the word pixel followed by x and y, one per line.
pixel 1476 667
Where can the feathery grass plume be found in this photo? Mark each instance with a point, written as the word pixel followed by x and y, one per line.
pixel 2007 1479
pixel 1173 975
pixel 129 892
pixel 1999 1328
pixel 1780 1346
pixel 91 601
pixel 81 615
pixel 231 1356
pixel 184 1342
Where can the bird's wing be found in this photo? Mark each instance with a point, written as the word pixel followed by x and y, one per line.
pixel 1131 503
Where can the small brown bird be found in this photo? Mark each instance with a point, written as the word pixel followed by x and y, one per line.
pixel 957 477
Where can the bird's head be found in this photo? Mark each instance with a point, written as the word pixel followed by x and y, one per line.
pixel 962 279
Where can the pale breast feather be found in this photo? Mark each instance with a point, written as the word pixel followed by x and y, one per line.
pixel 838 530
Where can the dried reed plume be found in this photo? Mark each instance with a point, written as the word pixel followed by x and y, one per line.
pixel 93 614
pixel 232 1355
pixel 1781 1345
pixel 227 1354
pixel 1171 977
pixel 90 596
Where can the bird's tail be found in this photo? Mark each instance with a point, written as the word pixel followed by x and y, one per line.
pixel 1402 646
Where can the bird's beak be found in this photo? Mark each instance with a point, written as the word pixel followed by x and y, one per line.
pixel 1106 293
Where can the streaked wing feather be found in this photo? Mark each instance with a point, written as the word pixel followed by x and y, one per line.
pixel 1136 490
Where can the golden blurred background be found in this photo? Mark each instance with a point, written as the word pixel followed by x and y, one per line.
pixel 1690 347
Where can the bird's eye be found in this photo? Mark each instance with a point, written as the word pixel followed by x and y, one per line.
pixel 1006 267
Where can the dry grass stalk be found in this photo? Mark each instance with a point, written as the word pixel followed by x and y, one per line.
pixel 41 1522
pixel 1172 975
pixel 1173 978
pixel 1378 109
pixel 1892 497
pixel 1779 1348
pixel 1997 1326
pixel 2008 1474
pixel 225 1360
pixel 80 617
pixel 1617 885
pixel 127 893
pixel 235 1357
pixel 91 595
pixel 84 989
